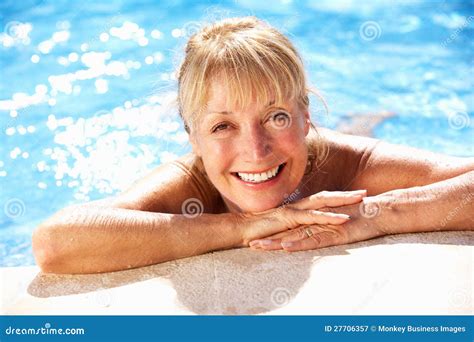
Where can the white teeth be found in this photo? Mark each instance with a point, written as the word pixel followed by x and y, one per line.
pixel 258 177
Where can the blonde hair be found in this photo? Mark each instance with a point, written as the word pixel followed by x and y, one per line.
pixel 254 61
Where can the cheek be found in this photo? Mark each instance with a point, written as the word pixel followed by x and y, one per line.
pixel 294 148
pixel 291 142
pixel 220 148
pixel 216 157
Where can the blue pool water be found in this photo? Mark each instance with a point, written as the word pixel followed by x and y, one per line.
pixel 86 87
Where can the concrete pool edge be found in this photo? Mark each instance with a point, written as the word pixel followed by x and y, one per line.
pixel 412 274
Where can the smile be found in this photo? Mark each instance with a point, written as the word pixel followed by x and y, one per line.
pixel 260 177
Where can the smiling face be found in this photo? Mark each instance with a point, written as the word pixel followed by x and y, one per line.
pixel 243 96
pixel 254 156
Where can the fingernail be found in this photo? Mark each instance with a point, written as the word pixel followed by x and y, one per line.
pixel 357 192
pixel 265 242
pixel 286 244
pixel 343 216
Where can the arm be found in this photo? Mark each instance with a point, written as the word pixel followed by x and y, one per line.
pixel 142 226
pixel 356 162
pixel 410 191
pixel 418 190
pixel 418 183
pixel 89 239
pixel 383 167
pixel 444 205
pixel 124 232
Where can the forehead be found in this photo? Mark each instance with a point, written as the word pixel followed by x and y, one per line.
pixel 221 97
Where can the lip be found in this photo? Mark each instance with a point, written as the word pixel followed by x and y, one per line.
pixel 270 168
pixel 263 185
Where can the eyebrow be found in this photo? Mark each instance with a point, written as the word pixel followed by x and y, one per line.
pixel 226 112
pixel 223 112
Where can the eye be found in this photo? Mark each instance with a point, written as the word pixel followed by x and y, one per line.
pixel 219 127
pixel 280 116
pixel 280 119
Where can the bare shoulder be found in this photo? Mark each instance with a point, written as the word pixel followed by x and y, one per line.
pixel 356 162
pixel 338 158
pixel 166 188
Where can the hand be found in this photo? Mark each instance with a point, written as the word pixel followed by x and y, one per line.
pixel 302 213
pixel 362 226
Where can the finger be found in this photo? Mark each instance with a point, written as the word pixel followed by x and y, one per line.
pixel 318 240
pixel 330 199
pixel 266 244
pixel 288 235
pixel 279 235
pixel 274 243
pixel 256 247
pixel 308 217
pixel 284 218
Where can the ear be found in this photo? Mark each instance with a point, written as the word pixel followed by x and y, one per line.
pixel 307 122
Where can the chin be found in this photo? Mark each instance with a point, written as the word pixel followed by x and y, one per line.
pixel 258 206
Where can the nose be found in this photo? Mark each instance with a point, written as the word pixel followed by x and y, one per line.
pixel 256 144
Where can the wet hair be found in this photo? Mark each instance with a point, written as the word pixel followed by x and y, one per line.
pixel 253 60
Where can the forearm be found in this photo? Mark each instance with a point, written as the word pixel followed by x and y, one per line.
pixel 90 240
pixel 445 205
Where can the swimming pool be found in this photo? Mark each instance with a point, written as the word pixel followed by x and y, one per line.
pixel 86 91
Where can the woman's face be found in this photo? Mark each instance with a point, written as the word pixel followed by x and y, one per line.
pixel 253 156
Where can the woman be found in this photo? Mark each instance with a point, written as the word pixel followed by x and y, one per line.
pixel 260 175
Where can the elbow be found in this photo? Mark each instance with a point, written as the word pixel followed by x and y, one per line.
pixel 48 244
pixel 55 248
pixel 45 249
